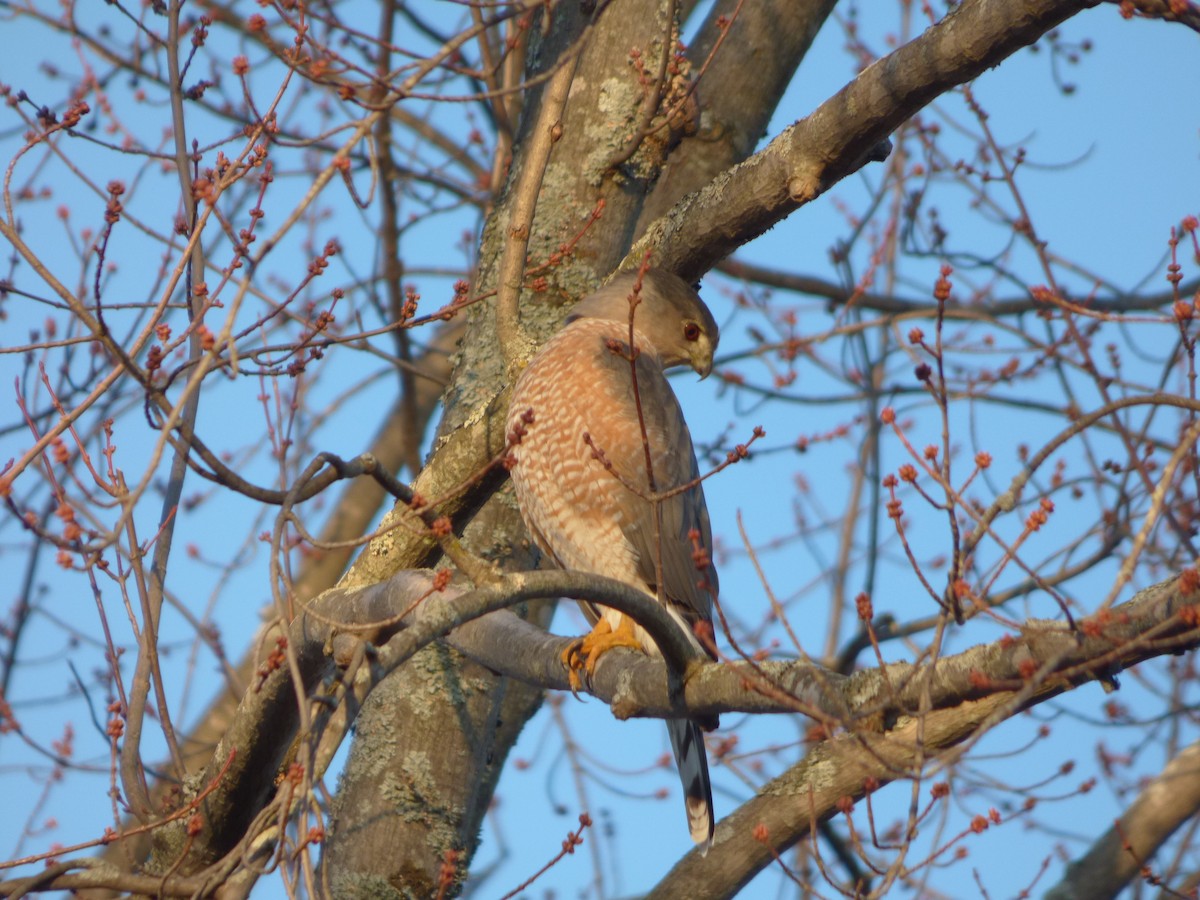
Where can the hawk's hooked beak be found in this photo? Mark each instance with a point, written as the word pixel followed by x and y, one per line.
pixel 702 363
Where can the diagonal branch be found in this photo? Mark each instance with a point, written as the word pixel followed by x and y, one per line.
pixel 1122 852
pixel 844 132
pixel 844 769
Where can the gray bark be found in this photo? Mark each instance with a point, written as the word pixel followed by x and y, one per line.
pixel 424 812
pixel 806 160
pixel 906 717
pixel 443 818
pixel 1118 856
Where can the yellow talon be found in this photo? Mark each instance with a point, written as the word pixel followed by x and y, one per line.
pixel 574 662
pixel 583 654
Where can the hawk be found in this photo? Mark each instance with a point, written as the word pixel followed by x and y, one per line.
pixel 606 476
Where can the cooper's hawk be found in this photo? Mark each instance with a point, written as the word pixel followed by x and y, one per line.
pixel 592 470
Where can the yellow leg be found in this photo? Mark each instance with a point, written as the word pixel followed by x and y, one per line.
pixel 584 653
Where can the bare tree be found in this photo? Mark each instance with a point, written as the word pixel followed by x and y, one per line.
pixel 261 251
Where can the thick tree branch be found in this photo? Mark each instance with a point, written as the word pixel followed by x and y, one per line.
pixel 1046 660
pixel 840 136
pixel 736 100
pixel 845 768
pixel 245 767
pixel 787 808
pixel 1120 854
pixel 447 481
pixel 962 692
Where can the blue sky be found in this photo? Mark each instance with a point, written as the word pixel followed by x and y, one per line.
pixel 1112 167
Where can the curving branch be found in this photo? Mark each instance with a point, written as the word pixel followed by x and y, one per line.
pixel 244 768
pixel 1047 658
pixel 404 614
pixel 879 708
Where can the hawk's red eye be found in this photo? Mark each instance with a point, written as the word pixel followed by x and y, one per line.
pixel 691 331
